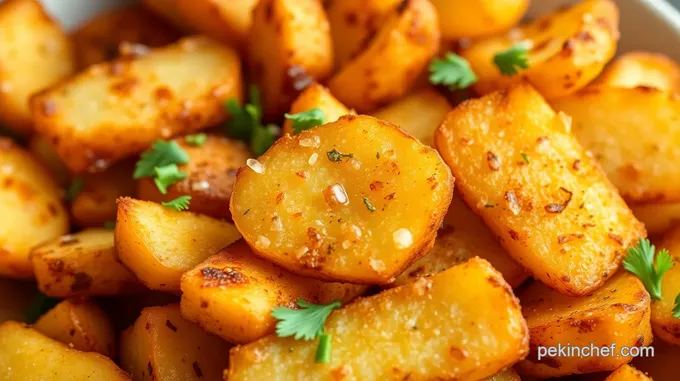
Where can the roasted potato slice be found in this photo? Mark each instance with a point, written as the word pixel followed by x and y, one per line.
pixel 393 59
pixel 635 69
pixel 658 218
pixel 357 200
pixel 159 244
pixel 627 373
pixel 27 355
pixel 614 316
pixel 211 174
pixel 537 189
pixel 474 19
pixel 82 264
pixel 567 49
pixel 234 283
pixel 667 327
pixel 316 96
pixel 42 150
pixel 228 21
pixel 32 209
pixel 34 54
pixel 115 109
pixel 293 49
pixel 15 298
pixel 463 323
pixel 163 346
pixel 81 324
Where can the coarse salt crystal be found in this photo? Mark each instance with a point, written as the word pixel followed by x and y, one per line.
pixel 301 251
pixel 377 265
pixel 306 142
pixel 339 194
pixel 263 241
pixel 402 238
pixel 312 158
pixel 200 185
pixel 255 165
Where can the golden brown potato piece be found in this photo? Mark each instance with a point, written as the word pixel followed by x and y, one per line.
pixel 115 109
pixel 163 346
pixel 81 324
pixel 27 355
pixel 507 375
pixel 393 59
pixel 478 18
pixel 228 21
pixel 635 69
pixel 42 150
pixel 534 185
pixel 627 373
pixel 658 218
pixel 463 323
pixel 316 96
pixel 34 54
pixel 463 236
pixel 567 49
pixel 614 316
pixel 661 364
pixel 357 200
pixel 211 174
pixel 15 298
pixel 159 244
pixel 293 48
pixel 232 293
pixel 82 264
pixel 419 113
pixel 667 327
pixel 32 209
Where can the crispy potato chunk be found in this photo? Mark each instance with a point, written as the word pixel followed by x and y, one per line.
pixel 80 324
pixel 316 96
pixel 115 109
pixel 15 298
pixel 361 218
pixel 228 21
pixel 82 264
pixel 41 149
pixel 34 54
pixel 163 346
pixel 159 244
pixel 473 19
pixel 661 364
pixel 667 327
pixel 463 323
pixel 393 59
pixel 616 314
pixel 27 355
pixel 211 174
pixel 98 39
pixel 658 218
pixel 419 113
pixel 293 48
pixel 534 185
pixel 32 209
pixel 567 49
pixel 463 236
pixel 236 284
pixel 635 69
pixel 627 373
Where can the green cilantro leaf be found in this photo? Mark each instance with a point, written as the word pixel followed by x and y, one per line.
pixel 452 71
pixel 525 157
pixel 676 307
pixel 196 139
pixel 641 262
pixel 166 176
pixel 263 138
pixel 336 156
pixel 180 203
pixel 510 61
pixel 74 188
pixel 323 350
pixel 246 123
pixel 41 303
pixel 110 225
pixel 306 119
pixel 368 204
pixel 161 154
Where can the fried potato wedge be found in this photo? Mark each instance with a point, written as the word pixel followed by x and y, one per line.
pixel 627 373
pixel 615 314
pixel 34 54
pixel 41 149
pixel 667 327
pixel 82 264
pixel 32 209
pixel 357 200
pixel 635 69
pixel 536 188
pixel 406 41
pixel 116 109
pixel 163 346
pixel 228 21
pixel 15 299
pixel 81 324
pixel 316 96
pixel 98 39
pixel 159 244
pixel 463 323
pixel 474 19
pixel 658 218
pixel 211 174
pixel 234 283
pixel 293 49
pixel 567 49
pixel 27 355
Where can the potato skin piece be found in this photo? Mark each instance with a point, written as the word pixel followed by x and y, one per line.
pixel 82 264
pixel 479 18
pixel 635 69
pixel 228 21
pixel 667 327
pixel 537 189
pixel 35 53
pixel 290 214
pixel 32 209
pixel 234 283
pixel 417 336
pixel 163 346
pixel 569 48
pixel 176 89
pixel 405 43
pixel 316 96
pixel 27 355
pixel 627 373
pixel 159 244
pixel 212 171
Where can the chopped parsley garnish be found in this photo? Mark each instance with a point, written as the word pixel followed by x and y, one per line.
pixel 525 157
pixel 306 119
pixel 452 71
pixel 246 123
pixel 196 139
pixel 262 138
pixel 306 323
pixel 41 303
pixel 166 176
pixel 676 307
pixel 641 262
pixel 509 62
pixel 110 225
pixel 161 154
pixel 368 204
pixel 180 203
pixel 74 188
pixel 335 156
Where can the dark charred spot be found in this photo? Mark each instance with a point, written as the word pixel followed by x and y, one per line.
pixel 72 332
pixel 81 282
pixel 269 11
pixel 514 235
pixel 418 272
pixel 204 304
pixel 576 165
pixel 568 47
pixel 56 266
pixel 163 94
pixel 390 196
pixel 215 277
pixel 540 46
pixel 558 208
pixel 564 238
pixel 197 369
pixel 640 341
pixel 616 238
pixel 458 353
pixel 150 368
pixel 403 6
pixel 169 324
pixel 376 185
pixel 351 18
pixel 279 198
pixel 492 161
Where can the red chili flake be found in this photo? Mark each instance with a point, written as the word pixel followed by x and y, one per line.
pixel 569 237
pixel 558 208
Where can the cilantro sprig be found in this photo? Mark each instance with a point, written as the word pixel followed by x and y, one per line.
pixel 179 204
pixel 162 153
pixel 246 123
pixel 196 139
pixel 642 262
pixel 306 323
pixel 509 62
pixel 306 119
pixel 453 71
pixel 676 307
pixel 168 175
